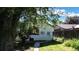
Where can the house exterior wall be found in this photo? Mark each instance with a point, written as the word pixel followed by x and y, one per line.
pixel 45 33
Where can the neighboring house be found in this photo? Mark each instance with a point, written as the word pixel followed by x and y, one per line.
pixel 45 33
pixel 67 30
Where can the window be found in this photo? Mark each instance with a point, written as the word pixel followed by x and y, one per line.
pixel 42 32
pixel 48 33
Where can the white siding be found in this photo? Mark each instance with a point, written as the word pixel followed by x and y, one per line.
pixel 41 37
pixel 46 28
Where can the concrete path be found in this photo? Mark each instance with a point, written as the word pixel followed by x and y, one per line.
pixel 36 49
pixel 30 49
pixel 36 46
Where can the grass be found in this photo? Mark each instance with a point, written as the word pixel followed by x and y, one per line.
pixel 54 46
pixel 57 47
pixel 59 44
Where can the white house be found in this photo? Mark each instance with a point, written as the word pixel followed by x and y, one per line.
pixel 45 33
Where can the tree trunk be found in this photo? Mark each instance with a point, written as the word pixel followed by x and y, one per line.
pixel 7 34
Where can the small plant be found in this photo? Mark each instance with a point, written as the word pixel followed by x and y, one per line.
pixel 72 43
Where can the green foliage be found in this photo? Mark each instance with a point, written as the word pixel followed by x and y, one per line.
pixel 59 39
pixel 37 17
pixel 32 19
pixel 72 43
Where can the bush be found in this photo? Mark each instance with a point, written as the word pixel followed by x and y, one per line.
pixel 59 39
pixel 72 43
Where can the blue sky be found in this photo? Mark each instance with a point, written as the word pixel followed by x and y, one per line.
pixel 68 10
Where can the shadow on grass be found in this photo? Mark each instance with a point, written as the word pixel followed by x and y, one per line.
pixel 22 47
pixel 52 42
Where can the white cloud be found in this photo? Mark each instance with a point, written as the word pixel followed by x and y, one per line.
pixel 63 12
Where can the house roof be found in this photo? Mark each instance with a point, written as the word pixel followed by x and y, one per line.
pixel 66 26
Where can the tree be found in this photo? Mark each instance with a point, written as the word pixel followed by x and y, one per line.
pixel 9 20
pixel 37 17
pixel 8 24
pixel 53 17
pixel 32 19
pixel 72 20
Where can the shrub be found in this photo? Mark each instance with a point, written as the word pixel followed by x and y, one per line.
pixel 59 39
pixel 72 43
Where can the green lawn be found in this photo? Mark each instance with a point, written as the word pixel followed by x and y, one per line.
pixel 57 47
